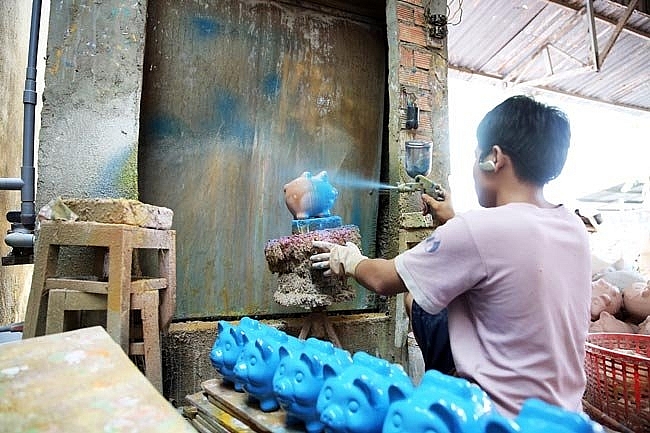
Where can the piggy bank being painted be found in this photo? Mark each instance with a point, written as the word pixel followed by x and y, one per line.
pixel 228 345
pixel 440 404
pixel 257 363
pixel 310 196
pixel 357 399
pixel 537 416
pixel 300 377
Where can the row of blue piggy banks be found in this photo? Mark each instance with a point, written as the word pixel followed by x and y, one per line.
pixel 327 389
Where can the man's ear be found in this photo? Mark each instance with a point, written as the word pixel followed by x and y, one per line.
pixel 489 163
pixel 499 157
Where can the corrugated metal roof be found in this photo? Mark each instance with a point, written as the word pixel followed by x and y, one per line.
pixel 545 44
pixel 632 192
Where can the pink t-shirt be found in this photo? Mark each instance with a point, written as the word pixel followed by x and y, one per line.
pixel 517 283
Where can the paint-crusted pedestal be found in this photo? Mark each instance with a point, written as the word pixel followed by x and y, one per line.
pixel 299 284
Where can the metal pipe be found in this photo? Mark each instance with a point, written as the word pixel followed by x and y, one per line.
pixel 21 235
pixel 20 240
pixel 11 183
pixel 28 171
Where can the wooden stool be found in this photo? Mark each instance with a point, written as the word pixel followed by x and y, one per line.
pixel 62 300
pixel 115 295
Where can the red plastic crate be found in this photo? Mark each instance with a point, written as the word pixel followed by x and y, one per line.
pixel 618 380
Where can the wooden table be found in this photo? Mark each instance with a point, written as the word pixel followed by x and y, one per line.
pixel 79 382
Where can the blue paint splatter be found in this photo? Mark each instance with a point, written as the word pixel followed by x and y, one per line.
pixel 230 119
pixel 163 126
pixel 271 85
pixel 206 26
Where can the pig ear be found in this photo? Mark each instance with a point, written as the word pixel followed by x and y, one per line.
pixel 328 371
pixel 264 349
pixel 607 299
pixel 306 174
pixel 283 352
pixel 395 393
pixel 310 363
pixel 239 336
pixel 364 387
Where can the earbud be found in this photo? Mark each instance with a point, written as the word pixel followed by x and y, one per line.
pixel 487 165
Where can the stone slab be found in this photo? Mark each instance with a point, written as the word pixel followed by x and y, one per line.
pixel 121 211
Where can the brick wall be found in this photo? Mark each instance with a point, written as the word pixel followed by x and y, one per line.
pixel 423 81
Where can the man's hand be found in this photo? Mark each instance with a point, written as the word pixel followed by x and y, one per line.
pixel 441 210
pixel 337 259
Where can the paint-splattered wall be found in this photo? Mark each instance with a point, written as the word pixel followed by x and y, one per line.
pixel 239 98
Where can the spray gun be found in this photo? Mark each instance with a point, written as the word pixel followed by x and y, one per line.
pixel 423 184
pixel 417 162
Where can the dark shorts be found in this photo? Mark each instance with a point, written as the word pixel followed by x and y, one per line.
pixel 431 332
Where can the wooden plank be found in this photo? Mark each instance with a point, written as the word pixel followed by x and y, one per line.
pixel 239 405
pixel 101 287
pixel 79 382
pixel 216 417
pixel 146 284
pixel 148 303
pixel 62 300
pixel 81 285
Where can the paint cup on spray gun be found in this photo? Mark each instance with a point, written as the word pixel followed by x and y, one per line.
pixel 417 160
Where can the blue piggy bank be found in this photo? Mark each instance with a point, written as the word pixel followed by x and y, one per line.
pixel 229 344
pixel 300 377
pixel 257 363
pixel 357 399
pixel 440 404
pixel 310 196
pixel 537 416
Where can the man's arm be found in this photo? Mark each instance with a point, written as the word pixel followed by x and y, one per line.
pixel 377 275
pixel 380 276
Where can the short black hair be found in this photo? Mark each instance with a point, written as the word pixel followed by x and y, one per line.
pixel 535 136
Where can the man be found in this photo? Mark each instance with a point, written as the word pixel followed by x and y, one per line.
pixel 512 280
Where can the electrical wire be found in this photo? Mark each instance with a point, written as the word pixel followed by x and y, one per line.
pixel 458 11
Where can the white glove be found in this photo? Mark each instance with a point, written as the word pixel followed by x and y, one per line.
pixel 337 259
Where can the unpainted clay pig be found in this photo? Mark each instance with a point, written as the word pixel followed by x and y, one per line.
pixel 636 299
pixel 644 327
pixel 310 196
pixel 537 416
pixel 300 377
pixel 605 297
pixel 356 400
pixel 258 362
pixel 441 403
pixel 608 323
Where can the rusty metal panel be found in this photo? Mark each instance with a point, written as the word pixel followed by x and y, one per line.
pixel 239 98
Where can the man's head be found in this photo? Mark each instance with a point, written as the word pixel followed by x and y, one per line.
pixel 533 137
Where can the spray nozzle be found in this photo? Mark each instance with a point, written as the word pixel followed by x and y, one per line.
pixel 425 185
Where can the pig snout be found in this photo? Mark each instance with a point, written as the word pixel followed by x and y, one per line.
pixel 282 388
pixel 240 370
pixel 332 417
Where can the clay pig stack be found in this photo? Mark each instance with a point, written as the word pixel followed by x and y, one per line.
pixel 620 301
pixel 325 389
pixel 309 199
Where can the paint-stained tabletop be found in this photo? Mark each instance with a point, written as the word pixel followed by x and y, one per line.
pixel 79 381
